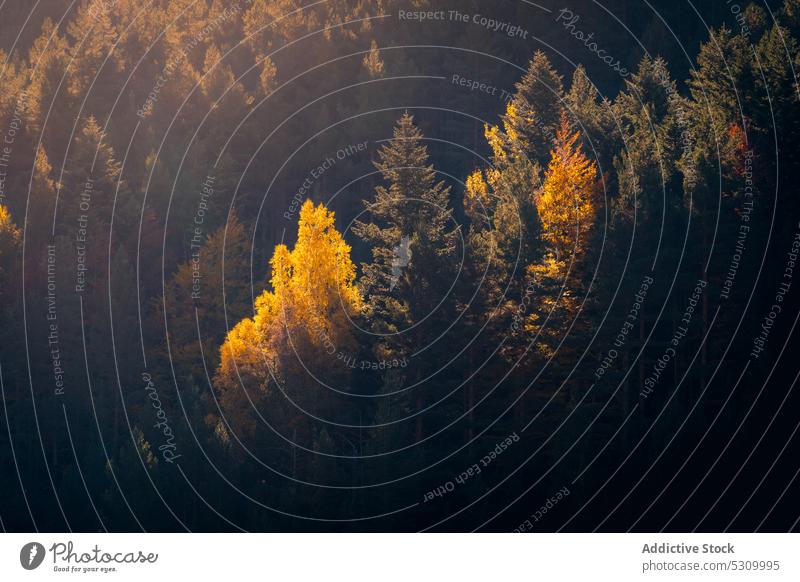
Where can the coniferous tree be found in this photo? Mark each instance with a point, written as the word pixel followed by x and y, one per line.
pixel 413 240
pixel 502 241
pixel 91 180
pixel 214 283
pixel 538 102
pixel 504 228
pixel 593 117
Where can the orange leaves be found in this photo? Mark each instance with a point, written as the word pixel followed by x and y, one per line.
pixel 10 239
pixel 735 150
pixel 567 203
pixel 281 264
pixel 504 141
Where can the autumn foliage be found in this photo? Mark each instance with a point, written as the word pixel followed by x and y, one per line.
pixel 567 202
pixel 299 324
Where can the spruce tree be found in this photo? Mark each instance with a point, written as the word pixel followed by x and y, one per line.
pixel 410 222
pixel 90 179
pixel 593 118
pixel 538 102
pixel 414 259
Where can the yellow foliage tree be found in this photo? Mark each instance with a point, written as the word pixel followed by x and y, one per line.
pixel 567 208
pixel 299 328
pixel 567 202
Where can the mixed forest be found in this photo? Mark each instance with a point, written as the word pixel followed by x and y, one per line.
pixel 267 265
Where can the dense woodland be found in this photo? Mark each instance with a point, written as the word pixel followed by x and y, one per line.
pixel 265 266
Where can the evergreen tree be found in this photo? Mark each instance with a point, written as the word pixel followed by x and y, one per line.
pixel 91 180
pixel 211 286
pixel 411 218
pixel 593 118
pixel 413 240
pixel 538 102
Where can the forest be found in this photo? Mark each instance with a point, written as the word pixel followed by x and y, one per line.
pixel 398 265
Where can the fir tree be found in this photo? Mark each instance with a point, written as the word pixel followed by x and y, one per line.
pixel 413 240
pixel 538 102
pixel 412 217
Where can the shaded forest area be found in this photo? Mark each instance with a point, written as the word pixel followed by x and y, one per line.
pixel 276 265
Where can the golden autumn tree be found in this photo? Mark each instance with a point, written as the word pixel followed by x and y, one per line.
pixel 299 328
pixel 567 208
pixel 567 202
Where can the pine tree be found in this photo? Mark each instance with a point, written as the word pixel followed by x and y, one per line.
pixel 412 217
pixel 91 179
pixel 648 203
pixel 777 100
pixel 373 63
pixel 412 236
pixel 594 119
pixel 504 229
pixel 96 67
pixel 214 284
pixel 721 80
pixel 652 118
pixel 791 16
pixel 538 102
pixel 49 107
